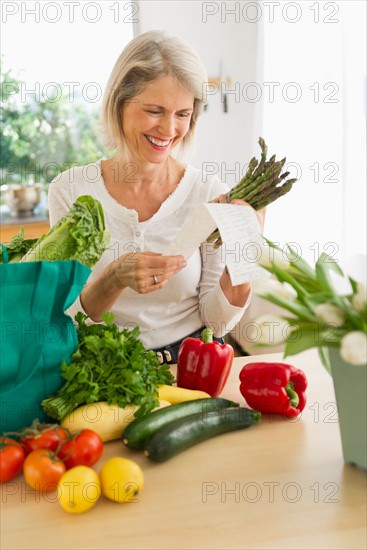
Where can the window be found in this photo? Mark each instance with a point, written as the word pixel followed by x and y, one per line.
pixel 56 59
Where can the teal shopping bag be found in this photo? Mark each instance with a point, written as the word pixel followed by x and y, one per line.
pixel 36 335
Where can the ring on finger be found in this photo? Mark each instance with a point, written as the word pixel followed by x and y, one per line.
pixel 155 279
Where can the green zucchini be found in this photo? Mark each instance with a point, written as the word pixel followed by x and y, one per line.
pixel 186 432
pixel 140 429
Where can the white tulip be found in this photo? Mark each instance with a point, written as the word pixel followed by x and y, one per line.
pixel 267 329
pixel 359 299
pixel 341 284
pixel 275 287
pixel 353 348
pixel 269 255
pixel 357 268
pixel 330 314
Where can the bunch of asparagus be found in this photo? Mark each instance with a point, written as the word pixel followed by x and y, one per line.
pixel 262 184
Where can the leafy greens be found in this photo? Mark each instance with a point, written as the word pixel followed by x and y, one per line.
pixel 109 365
pixel 79 235
pixel 17 247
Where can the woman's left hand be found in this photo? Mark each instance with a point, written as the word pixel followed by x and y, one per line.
pixel 259 213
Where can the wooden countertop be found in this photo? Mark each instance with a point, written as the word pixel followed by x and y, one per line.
pixel 278 485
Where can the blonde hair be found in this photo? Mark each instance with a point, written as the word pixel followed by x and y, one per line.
pixel 147 57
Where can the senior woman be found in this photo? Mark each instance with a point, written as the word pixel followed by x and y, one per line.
pixel 151 106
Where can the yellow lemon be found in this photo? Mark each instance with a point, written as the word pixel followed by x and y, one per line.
pixel 121 479
pixel 79 489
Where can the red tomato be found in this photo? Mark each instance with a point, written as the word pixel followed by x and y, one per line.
pixel 84 449
pixel 43 436
pixel 42 470
pixel 11 458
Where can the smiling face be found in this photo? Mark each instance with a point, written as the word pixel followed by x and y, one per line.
pixel 157 119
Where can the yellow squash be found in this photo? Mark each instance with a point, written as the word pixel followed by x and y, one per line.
pixel 173 394
pixel 108 421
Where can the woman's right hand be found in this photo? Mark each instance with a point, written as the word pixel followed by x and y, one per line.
pixel 146 272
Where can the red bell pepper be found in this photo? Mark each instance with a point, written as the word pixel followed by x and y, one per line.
pixel 204 364
pixel 274 388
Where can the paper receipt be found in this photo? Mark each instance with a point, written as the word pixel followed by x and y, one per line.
pixel 240 232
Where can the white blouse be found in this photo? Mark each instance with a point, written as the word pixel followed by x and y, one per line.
pixel 193 297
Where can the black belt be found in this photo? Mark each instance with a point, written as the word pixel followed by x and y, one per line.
pixel 168 354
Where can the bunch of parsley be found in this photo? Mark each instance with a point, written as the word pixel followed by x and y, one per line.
pixel 109 365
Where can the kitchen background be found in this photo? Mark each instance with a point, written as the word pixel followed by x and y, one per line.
pixel 291 72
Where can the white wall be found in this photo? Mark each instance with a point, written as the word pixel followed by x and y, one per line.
pixel 224 141
pixel 322 130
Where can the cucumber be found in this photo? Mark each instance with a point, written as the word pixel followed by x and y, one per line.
pixel 140 429
pixel 186 432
